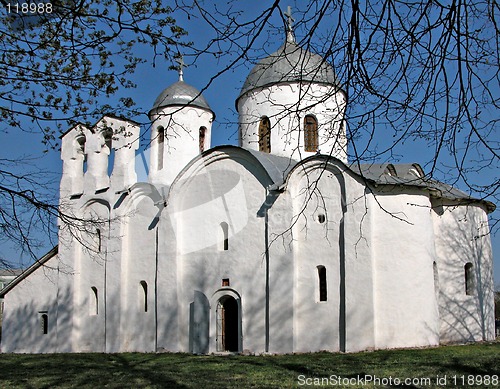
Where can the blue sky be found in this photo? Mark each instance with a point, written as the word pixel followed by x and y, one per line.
pixel 221 95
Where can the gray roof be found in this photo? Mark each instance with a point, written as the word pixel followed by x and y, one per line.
pixel 10 272
pixel 412 175
pixel 180 94
pixel 290 63
pixel 276 167
pixel 39 263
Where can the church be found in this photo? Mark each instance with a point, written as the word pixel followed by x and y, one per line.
pixel 279 245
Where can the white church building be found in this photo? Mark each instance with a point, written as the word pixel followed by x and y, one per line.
pixel 278 245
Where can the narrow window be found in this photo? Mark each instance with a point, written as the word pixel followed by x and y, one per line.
pixel 99 240
pixel 85 164
pixel 44 323
pixel 265 135
pixel 144 295
pixel 161 142
pixel 469 279
pixel 323 295
pixel 203 131
pixel 310 133
pixel 93 302
pixel 80 150
pixel 436 278
pixel 225 238
pixel 108 144
pixel 225 282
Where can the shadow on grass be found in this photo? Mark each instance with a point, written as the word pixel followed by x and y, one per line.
pixel 276 371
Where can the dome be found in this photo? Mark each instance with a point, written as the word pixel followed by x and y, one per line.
pixel 180 93
pixel 290 63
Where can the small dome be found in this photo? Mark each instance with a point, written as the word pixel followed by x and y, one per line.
pixel 290 63
pixel 180 93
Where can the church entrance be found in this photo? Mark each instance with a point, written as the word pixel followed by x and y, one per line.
pixel 227 324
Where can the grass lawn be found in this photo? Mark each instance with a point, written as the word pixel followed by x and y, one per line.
pixel 457 366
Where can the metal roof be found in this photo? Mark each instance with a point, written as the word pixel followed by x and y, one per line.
pixel 39 263
pixel 413 175
pixel 179 94
pixel 290 63
pixel 276 167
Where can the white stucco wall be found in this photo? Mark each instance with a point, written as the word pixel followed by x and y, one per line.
pixel 90 306
pixel 23 309
pixel 406 313
pixel 462 236
pixel 341 244
pixel 137 281
pixel 286 105
pixel 181 140
pixel 378 249
pixel 208 194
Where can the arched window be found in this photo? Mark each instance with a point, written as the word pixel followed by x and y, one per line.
pixel 265 135
pixel 93 302
pixel 323 293
pixel 98 240
pixel 436 278
pixel 44 323
pixel 469 279
pixel 225 238
pixel 144 295
pixel 203 132
pixel 391 170
pixel 161 142
pixel 310 133
pixel 80 150
pixel 108 144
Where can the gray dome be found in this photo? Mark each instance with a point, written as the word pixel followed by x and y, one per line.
pixel 290 63
pixel 180 93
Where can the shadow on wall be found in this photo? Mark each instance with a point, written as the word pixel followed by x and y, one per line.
pixel 466 311
pixel 32 327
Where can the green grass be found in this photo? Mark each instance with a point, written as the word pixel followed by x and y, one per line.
pixel 134 370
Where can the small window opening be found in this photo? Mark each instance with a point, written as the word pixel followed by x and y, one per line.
pixel 323 293
pixel 417 170
pixel 469 279
pixel 225 238
pixel 93 302
pixel 265 135
pixel 44 323
pixel 80 150
pixel 85 164
pixel 203 131
pixel 144 295
pixel 391 170
pixel 310 133
pixel 161 142
pixel 80 144
pixel 108 143
pixel 436 278
pixel 321 218
pixel 225 282
pixel 99 240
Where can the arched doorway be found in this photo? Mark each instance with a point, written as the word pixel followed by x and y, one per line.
pixel 227 324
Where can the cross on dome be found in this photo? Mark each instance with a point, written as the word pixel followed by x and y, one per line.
pixel 289 30
pixel 182 64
